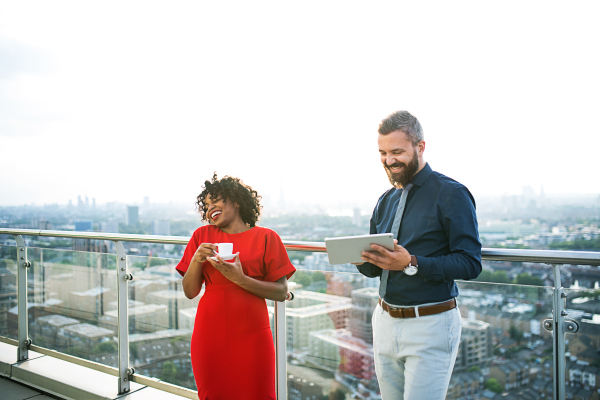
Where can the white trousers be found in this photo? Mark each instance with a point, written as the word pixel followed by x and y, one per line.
pixel 414 357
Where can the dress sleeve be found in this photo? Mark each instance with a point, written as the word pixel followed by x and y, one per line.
pixel 277 263
pixel 188 254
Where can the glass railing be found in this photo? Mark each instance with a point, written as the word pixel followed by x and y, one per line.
pixel 161 320
pixel 329 335
pixel 507 345
pixel 8 292
pixel 69 295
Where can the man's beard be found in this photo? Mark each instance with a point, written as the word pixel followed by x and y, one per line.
pixel 403 177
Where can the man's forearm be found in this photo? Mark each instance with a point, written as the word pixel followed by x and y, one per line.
pixel 449 267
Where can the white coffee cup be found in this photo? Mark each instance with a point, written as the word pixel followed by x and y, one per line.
pixel 225 249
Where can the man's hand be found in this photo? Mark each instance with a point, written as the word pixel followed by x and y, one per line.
pixel 232 271
pixel 395 260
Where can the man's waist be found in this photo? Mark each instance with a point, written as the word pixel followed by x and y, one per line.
pixel 416 305
pixel 418 311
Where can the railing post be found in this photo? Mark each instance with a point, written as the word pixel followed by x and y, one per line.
pixel 280 348
pixel 558 335
pixel 22 265
pixel 123 319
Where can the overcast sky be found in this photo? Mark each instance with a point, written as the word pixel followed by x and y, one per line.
pixel 121 100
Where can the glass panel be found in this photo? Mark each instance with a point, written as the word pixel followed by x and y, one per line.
pixel 161 320
pixel 329 334
pixel 504 346
pixel 582 357
pixel 70 293
pixel 8 292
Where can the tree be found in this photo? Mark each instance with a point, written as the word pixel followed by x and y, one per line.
pixel 515 334
pixel 578 244
pixel 105 347
pixel 500 277
pixel 337 394
pixel 302 278
pixel 169 372
pixel 485 276
pixel 493 385
pixel 526 279
pixel 318 276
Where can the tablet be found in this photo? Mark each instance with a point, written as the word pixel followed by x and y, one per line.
pixel 347 249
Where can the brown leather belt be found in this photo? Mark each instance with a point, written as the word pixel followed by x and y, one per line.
pixel 398 312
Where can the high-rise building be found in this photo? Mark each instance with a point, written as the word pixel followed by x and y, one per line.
pixel 364 302
pixel 476 345
pixel 161 227
pixel 84 225
pixel 146 202
pixel 313 311
pixel 133 215
pixel 357 218
pixel 109 226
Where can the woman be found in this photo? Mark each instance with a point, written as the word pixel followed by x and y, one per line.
pixel 232 350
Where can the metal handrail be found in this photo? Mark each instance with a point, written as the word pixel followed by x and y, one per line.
pixel 553 257
pixel 490 254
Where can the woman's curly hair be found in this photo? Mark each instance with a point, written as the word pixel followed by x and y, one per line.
pixel 231 189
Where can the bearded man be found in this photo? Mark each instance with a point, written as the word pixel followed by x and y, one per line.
pixel 417 325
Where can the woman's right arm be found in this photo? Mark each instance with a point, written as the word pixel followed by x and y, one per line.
pixel 192 280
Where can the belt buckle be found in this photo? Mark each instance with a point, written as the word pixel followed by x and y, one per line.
pixel 390 309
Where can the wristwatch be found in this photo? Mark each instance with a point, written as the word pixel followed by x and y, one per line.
pixel 412 267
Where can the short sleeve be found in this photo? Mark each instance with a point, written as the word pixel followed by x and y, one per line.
pixel 188 254
pixel 276 259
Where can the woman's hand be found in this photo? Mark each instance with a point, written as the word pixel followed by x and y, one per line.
pixel 232 271
pixel 192 280
pixel 204 251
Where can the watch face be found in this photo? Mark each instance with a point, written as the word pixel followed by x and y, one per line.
pixel 410 270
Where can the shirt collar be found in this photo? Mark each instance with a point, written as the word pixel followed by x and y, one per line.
pixel 422 175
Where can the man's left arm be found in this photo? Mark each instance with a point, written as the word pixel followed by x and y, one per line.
pixel 459 221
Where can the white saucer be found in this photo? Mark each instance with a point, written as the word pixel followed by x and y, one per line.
pixel 224 256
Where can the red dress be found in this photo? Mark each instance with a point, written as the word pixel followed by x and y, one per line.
pixel 232 350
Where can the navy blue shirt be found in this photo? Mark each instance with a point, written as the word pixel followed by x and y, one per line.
pixel 439 227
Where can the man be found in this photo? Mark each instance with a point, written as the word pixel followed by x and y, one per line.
pixel 417 326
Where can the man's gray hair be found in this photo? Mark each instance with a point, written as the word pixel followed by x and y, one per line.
pixel 405 122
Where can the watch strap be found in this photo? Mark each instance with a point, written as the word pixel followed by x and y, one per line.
pixel 413 261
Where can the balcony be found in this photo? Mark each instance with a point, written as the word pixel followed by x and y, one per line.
pixel 80 324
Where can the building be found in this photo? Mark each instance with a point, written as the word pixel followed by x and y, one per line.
pixel 465 385
pixel 132 216
pixel 337 349
pixel 187 317
pixel 511 375
pixel 581 374
pixel 44 330
pixel 161 227
pixel 87 245
pixel 309 312
pixel 364 302
pixel 476 344
pixel 8 294
pixel 175 300
pixel 143 318
pixel 83 340
pixel 302 389
pixel 111 226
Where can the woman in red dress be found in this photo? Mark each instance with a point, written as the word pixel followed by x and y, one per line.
pixel 232 350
